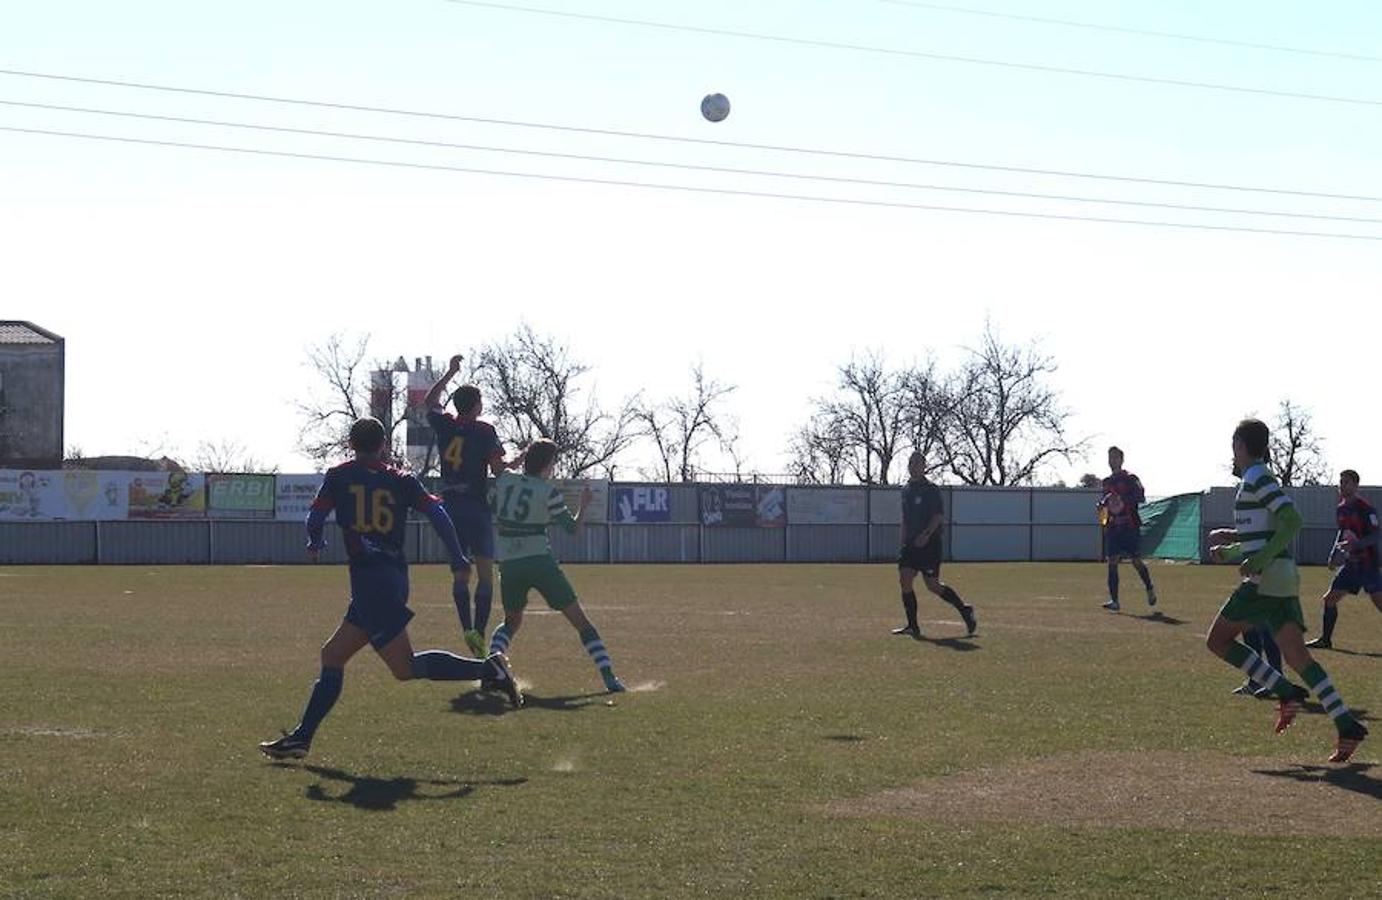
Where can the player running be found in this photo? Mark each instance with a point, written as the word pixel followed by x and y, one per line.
pixel 525 505
pixel 1123 493
pixel 1265 523
pixel 371 500
pixel 469 450
pixel 923 513
pixel 1355 555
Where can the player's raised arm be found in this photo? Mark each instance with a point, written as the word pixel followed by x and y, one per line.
pixel 433 399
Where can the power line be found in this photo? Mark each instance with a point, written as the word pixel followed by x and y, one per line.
pixel 920 54
pixel 705 142
pixel 692 189
pixel 1142 32
pixel 723 170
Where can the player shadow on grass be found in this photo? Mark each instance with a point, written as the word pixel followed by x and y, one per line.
pixel 960 644
pixel 1160 619
pixel 481 703
pixel 1362 653
pixel 1353 777
pixel 384 794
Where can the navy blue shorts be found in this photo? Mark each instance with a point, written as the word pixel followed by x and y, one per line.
pixel 379 602
pixel 1352 579
pixel 1123 543
pixel 474 524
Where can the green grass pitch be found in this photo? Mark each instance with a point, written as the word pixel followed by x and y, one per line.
pixel 779 742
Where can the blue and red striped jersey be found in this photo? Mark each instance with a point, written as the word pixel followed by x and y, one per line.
pixel 371 500
pixel 1127 488
pixel 1360 517
pixel 466 447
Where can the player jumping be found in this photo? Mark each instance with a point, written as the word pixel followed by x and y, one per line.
pixel 469 450
pixel 1266 522
pixel 371 500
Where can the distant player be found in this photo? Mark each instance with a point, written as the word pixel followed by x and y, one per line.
pixel 525 505
pixel 371 500
pixel 923 514
pixel 1355 553
pixel 1266 522
pixel 1123 527
pixel 469 450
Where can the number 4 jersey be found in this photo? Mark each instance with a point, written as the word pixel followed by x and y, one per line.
pixel 524 505
pixel 371 500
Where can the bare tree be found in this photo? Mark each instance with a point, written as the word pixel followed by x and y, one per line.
pixel 1006 422
pixel 1296 447
pixel 928 404
pixel 680 427
pixel 532 385
pixel 868 412
pixel 819 453
pixel 227 455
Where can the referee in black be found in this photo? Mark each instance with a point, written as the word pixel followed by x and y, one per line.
pixel 923 513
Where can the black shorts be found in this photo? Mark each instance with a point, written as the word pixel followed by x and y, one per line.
pixel 926 560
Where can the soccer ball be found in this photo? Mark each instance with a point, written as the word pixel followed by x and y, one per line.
pixel 715 107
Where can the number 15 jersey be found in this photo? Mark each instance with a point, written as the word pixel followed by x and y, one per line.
pixel 524 505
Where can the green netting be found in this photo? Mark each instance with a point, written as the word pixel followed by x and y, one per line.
pixel 1171 528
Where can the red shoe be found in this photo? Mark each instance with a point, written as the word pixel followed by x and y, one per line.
pixel 1289 707
pixel 1349 740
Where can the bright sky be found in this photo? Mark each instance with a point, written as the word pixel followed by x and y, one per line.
pixel 187 283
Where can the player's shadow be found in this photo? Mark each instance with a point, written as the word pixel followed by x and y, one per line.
pixel 1315 708
pixel 1353 777
pixel 846 738
pixel 1362 653
pixel 961 645
pixel 384 794
pixel 1160 619
pixel 482 703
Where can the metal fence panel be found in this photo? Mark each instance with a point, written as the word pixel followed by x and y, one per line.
pixel 827 543
pixel 743 545
pixel 885 506
pixel 655 543
pixel 984 543
pixel 1064 507
pixel 590 544
pixel 47 543
pixel 991 506
pixel 267 543
pixel 684 503
pixel 155 543
pixel 1066 542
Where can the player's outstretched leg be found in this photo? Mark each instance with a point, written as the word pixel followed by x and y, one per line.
pixel 347 640
pixel 594 646
pixel 947 593
pixel 1112 603
pixel 1141 568
pixel 1351 731
pixel 1222 642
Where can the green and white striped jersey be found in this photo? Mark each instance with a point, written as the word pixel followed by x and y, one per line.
pixel 1260 498
pixel 524 505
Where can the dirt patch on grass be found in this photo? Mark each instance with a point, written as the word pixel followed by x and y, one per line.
pixel 1190 791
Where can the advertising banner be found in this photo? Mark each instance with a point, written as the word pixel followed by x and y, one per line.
pixel 598 510
pixel 743 506
pixel 294 495
pixel 642 503
pixel 240 496
pixel 167 495
pixel 27 496
pixel 94 496
pixel 827 506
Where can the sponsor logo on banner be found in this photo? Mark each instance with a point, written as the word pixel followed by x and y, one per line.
pixel 598 509
pixel 231 496
pixel 167 495
pixel 46 495
pixel 294 496
pixel 743 506
pixel 644 503
pixel 96 495
pixel 827 506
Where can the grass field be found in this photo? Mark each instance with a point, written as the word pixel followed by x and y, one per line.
pixel 779 743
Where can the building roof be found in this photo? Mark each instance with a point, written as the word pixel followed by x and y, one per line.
pixel 16 332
